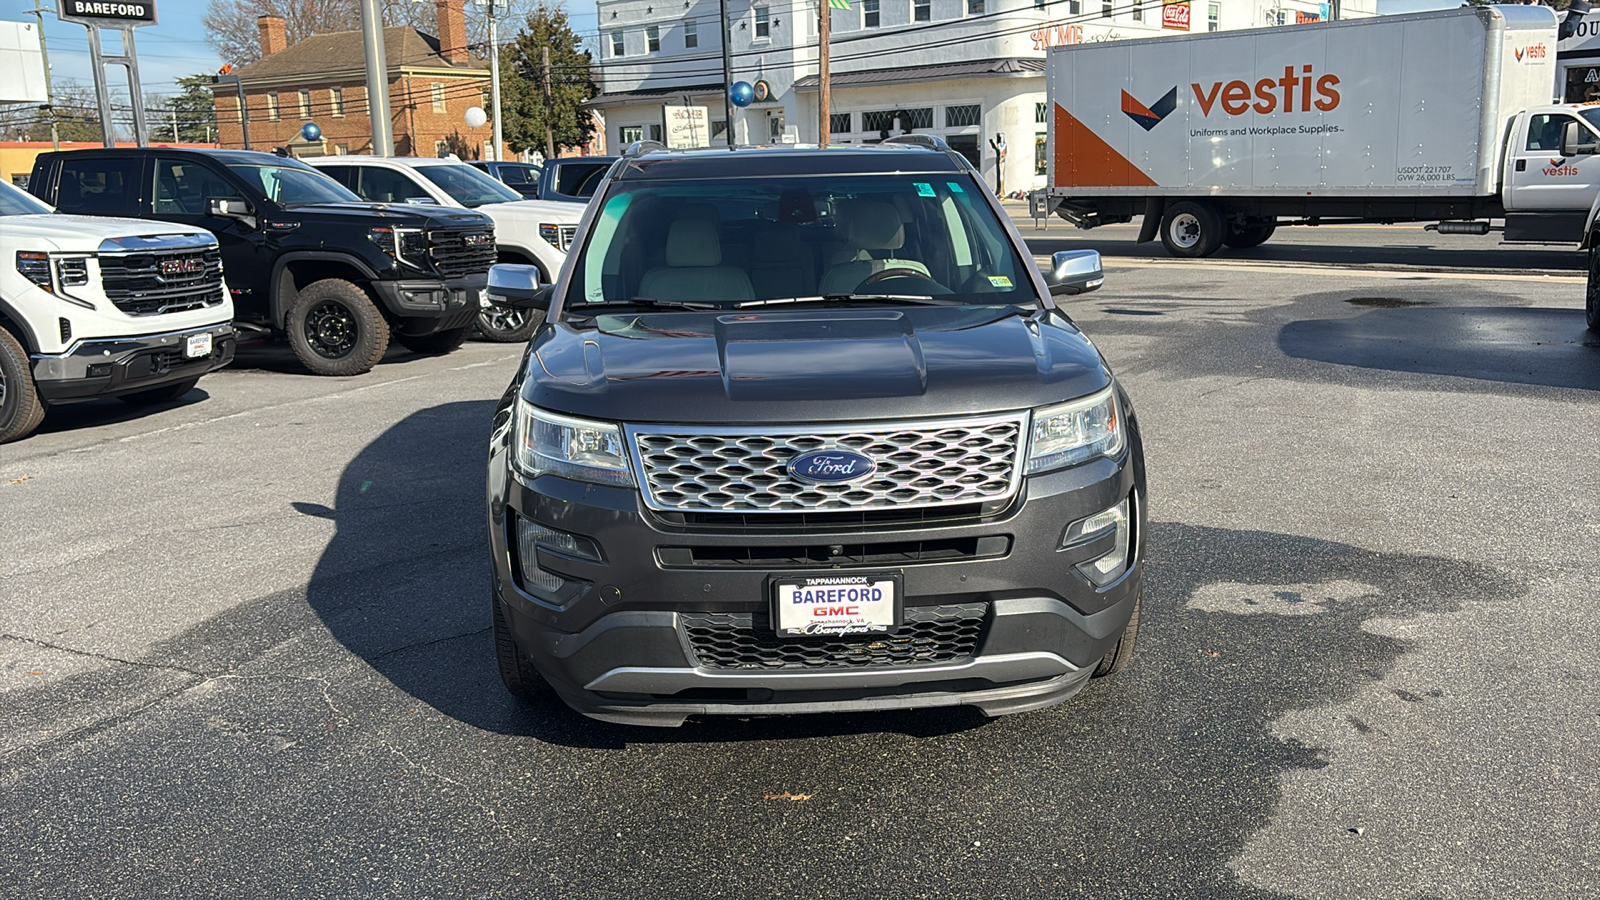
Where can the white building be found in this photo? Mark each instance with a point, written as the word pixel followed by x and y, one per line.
pixel 970 71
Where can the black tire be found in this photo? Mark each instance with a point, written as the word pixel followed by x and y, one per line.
pixel 335 329
pixel 1591 298
pixel 163 394
pixel 21 410
pixel 1252 235
pixel 507 326
pixel 1122 653
pixel 1192 230
pixel 517 673
pixel 437 344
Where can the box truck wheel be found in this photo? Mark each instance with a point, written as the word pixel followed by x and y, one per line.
pixel 1252 234
pixel 1192 229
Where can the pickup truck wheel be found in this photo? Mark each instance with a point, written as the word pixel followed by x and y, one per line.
pixel 1253 235
pixel 336 329
pixel 1122 653
pixel 1192 229
pixel 506 326
pixel 437 344
pixel 21 410
pixel 164 394
pixel 1591 299
pixel 521 679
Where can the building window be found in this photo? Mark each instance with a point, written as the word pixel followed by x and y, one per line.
pixel 839 123
pixel 441 149
pixel 691 34
pixel 336 102
pixel 616 44
pixel 719 127
pixel 341 149
pixel 272 107
pixel 1040 111
pixel 438 97
pixel 962 116
pixel 975 7
pixel 764 25
pixel 1138 10
pixel 1074 7
pixel 1283 17
pixel 1041 154
pixel 869 13
pixel 1106 9
pixel 1213 12
pixel 655 133
pixel 305 104
pixel 652 39
pixel 627 134
pixel 921 10
pixel 892 120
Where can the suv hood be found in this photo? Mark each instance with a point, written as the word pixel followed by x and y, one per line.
pixel 806 365
pixel 83 234
pixel 398 213
pixel 534 211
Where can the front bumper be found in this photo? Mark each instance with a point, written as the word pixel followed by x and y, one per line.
pixel 617 642
pixel 432 298
pixel 107 367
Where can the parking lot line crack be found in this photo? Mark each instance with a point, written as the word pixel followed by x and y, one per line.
pixel 466 790
pixel 106 657
pixel 429 643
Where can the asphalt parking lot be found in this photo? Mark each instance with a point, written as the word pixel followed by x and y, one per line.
pixel 245 649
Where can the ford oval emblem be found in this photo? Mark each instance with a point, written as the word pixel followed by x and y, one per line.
pixel 831 466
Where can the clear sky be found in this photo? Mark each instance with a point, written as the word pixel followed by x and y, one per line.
pixel 177 46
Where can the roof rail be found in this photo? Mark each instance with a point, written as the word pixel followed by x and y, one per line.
pixel 929 141
pixel 640 148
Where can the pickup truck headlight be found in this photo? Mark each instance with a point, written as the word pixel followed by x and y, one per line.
pixel 579 449
pixel 408 245
pixel 1075 432
pixel 35 267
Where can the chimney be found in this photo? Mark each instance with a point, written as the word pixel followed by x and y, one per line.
pixel 453 31
pixel 274 34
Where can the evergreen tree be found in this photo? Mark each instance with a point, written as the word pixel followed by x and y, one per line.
pixel 523 87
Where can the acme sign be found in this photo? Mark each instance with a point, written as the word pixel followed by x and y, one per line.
pixel 107 12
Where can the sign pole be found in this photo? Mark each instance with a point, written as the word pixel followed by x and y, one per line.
pixel 727 74
pixel 141 133
pixel 101 96
pixel 125 17
pixel 824 94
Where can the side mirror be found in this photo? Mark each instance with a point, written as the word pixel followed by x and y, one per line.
pixel 1577 140
pixel 517 287
pixel 1075 272
pixel 227 208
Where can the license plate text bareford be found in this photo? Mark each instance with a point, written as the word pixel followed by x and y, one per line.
pixel 198 345
pixel 836 605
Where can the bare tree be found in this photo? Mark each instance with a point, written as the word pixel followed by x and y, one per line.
pixel 231 24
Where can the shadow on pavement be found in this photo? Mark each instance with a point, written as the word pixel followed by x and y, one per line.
pixel 1508 344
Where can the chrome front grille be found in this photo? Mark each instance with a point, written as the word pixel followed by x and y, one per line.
pixel 458 253
pixel 920 464
pixel 149 284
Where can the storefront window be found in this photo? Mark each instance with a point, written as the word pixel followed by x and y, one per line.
pixel 1039 113
pixel 839 123
pixel 1583 84
pixel 627 134
pixel 1041 161
pixel 962 116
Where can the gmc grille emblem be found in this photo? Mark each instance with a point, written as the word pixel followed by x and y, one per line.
pixel 477 240
pixel 182 266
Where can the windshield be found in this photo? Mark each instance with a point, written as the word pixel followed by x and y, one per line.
pixel 1591 115
pixel 467 185
pixel 14 201
pixel 805 238
pixel 294 185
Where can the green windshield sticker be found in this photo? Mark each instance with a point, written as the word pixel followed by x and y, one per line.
pixel 1000 281
pixel 954 188
pixel 924 189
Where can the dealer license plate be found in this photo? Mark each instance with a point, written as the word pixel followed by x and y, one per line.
pixel 483 298
pixel 199 345
pixel 836 605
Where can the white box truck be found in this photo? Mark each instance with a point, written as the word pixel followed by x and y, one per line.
pixel 1218 139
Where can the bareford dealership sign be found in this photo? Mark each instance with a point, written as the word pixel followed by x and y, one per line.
pixel 108 12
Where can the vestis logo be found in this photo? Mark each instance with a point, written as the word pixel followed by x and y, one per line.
pixel 1291 93
pixel 1559 168
pixel 1534 51
pixel 1150 116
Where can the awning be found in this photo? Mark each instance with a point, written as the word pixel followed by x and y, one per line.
pixel 910 74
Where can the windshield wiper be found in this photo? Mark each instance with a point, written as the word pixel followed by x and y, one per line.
pixel 650 301
pixel 915 299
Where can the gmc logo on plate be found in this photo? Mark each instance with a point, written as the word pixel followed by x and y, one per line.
pixel 477 240
pixel 182 266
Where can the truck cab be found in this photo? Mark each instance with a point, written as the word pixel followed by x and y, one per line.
pixel 1552 172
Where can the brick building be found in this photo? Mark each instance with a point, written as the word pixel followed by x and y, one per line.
pixel 322 79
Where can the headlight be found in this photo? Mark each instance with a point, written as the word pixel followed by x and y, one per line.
pixel 551 235
pixel 408 245
pixel 579 449
pixel 35 267
pixel 1075 432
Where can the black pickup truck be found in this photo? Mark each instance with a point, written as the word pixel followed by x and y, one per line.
pixel 304 257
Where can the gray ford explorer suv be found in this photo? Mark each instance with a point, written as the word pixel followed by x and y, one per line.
pixel 803 431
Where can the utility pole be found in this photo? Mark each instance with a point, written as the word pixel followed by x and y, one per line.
pixel 727 73
pixel 49 90
pixel 824 95
pixel 494 78
pixel 549 112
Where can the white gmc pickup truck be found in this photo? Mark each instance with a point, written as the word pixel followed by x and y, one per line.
pixel 95 307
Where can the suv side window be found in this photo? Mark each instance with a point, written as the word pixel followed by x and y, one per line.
pixel 345 175
pixel 97 187
pixel 182 187
pixel 388 186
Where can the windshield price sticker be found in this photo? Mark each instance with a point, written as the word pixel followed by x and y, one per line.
pixel 837 605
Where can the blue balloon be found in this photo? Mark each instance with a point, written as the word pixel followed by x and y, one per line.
pixel 741 93
pixel 311 131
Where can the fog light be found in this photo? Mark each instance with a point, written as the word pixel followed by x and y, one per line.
pixel 1108 566
pixel 533 537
